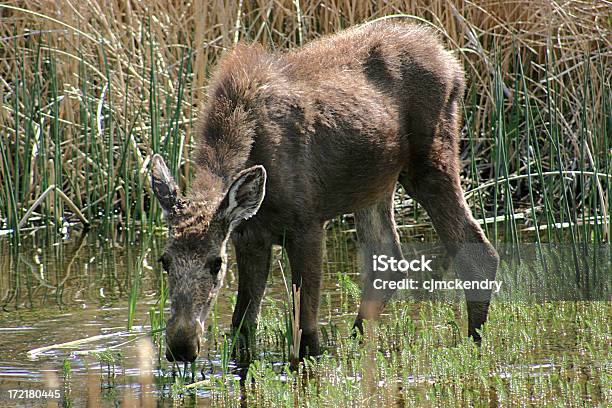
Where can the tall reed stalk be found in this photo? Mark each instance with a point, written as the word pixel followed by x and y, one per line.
pixel 90 90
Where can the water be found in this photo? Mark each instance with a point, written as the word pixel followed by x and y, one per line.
pixel 55 291
pixel 74 289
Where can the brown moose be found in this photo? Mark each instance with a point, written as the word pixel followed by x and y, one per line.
pixel 289 141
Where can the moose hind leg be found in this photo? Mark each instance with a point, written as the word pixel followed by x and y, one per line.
pixel 439 192
pixel 376 236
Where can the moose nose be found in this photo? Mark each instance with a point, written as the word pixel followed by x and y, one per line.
pixel 182 340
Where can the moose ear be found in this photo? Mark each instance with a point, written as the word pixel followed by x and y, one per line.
pixel 163 184
pixel 244 197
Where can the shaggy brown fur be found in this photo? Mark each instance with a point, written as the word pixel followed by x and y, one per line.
pixel 335 125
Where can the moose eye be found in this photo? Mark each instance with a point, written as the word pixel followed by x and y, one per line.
pixel 215 266
pixel 165 261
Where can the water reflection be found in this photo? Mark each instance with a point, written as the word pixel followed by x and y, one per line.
pixel 52 292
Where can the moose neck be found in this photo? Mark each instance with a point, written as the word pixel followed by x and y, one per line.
pixel 232 116
pixel 226 140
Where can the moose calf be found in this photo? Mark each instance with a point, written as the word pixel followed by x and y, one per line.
pixel 289 141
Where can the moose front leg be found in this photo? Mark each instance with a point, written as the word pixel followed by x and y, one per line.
pixel 305 251
pixel 253 251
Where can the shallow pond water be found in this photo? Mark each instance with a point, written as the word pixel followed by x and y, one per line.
pixel 56 291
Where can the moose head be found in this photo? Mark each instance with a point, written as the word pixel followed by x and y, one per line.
pixel 195 257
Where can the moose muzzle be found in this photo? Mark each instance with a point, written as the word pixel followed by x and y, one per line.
pixel 183 339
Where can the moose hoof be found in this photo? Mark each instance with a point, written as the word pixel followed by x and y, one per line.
pixel 474 335
pixel 309 345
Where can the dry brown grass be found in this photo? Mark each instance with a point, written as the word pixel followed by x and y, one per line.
pixel 561 45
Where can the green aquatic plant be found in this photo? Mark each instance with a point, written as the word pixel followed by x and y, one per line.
pixel 84 112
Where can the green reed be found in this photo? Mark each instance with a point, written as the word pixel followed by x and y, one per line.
pixel 534 145
pixel 542 146
pixel 545 352
pixel 96 155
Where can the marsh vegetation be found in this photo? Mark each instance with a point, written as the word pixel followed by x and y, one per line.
pixel 547 352
pixel 90 90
